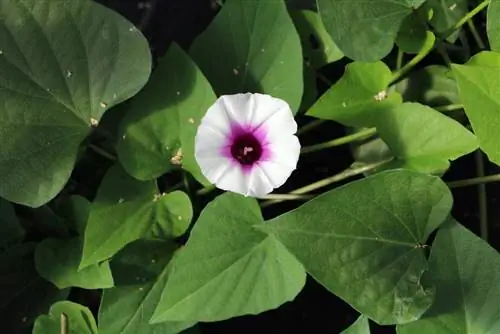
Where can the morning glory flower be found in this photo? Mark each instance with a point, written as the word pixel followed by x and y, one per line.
pixel 246 143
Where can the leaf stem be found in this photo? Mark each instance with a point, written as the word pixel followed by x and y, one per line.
pixel 426 48
pixel 450 107
pixel 482 199
pixel 206 190
pixel 310 126
pixel 345 174
pixel 466 18
pixel 474 181
pixel 475 35
pixel 399 59
pixel 102 152
pixel 363 134
pixel 286 197
pixel 323 78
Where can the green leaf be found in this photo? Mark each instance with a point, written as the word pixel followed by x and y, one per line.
pixel 159 129
pixel 412 35
pixel 365 30
pixel 258 51
pixel 466 271
pixel 480 95
pixel 140 272
pixel 125 210
pixel 363 241
pixel 493 24
pixel 62 64
pixel 433 85
pixel 10 230
pixel 228 268
pixel 57 261
pixel 358 96
pixel 317 46
pixel 423 139
pixel 360 326
pixel 445 13
pixel 80 319
pixel 24 294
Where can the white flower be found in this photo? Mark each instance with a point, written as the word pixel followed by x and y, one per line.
pixel 246 143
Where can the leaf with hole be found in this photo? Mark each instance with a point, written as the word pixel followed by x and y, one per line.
pixel 363 241
pixel 258 51
pixel 228 268
pixel 62 65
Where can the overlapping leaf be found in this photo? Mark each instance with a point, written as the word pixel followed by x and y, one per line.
pixel 79 320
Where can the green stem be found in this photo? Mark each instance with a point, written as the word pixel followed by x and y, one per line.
pixel 324 79
pixel 102 152
pixel 399 59
pixel 450 107
pixel 474 181
pixel 482 199
pixel 310 126
pixel 429 43
pixel 363 134
pixel 475 35
pixel 286 197
pixel 466 18
pixel 206 190
pixel 348 173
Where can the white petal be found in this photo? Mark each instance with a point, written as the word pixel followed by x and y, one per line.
pixel 234 179
pixel 208 141
pixel 274 113
pixel 238 107
pixel 285 151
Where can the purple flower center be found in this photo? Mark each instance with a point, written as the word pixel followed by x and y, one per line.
pixel 246 149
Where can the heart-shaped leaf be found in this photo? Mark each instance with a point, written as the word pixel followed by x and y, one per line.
pixel 493 24
pixel 365 30
pixel 258 51
pixel 228 268
pixel 62 64
pixel 363 241
pixel 358 96
pixel 480 95
pixel 79 320
pixel 466 271
pixel 159 129
pixel 423 139
pixel 126 209
pixel 127 308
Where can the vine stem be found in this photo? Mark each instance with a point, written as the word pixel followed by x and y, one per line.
pixel 345 174
pixel 474 181
pixel 102 152
pixel 363 134
pixel 475 35
pixel 482 199
pixel 466 18
pixel 310 126
pixel 426 49
pixel 286 197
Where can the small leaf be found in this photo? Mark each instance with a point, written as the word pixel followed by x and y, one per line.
pixel 140 271
pixel 466 271
pixel 433 85
pixel 480 95
pixel 25 294
pixel 10 230
pixel 228 268
pixel 125 210
pixel 423 139
pixel 79 319
pixel 258 51
pixel 157 133
pixel 445 13
pixel 361 326
pixel 363 241
pixel 57 261
pixel 412 35
pixel 358 96
pixel 365 30
pixel 317 46
pixel 62 65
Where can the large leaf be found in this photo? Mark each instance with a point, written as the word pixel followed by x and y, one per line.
pixel 480 94
pixel 358 96
pixel 159 129
pixel 423 139
pixel 360 326
pixel 365 30
pixel 24 294
pixel 126 209
pixel 317 45
pixel 363 241
pixel 79 320
pixel 493 24
pixel 127 308
pixel 252 46
pixel 466 271
pixel 228 268
pixel 62 64
pixel 433 86
pixel 10 230
pixel 58 260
